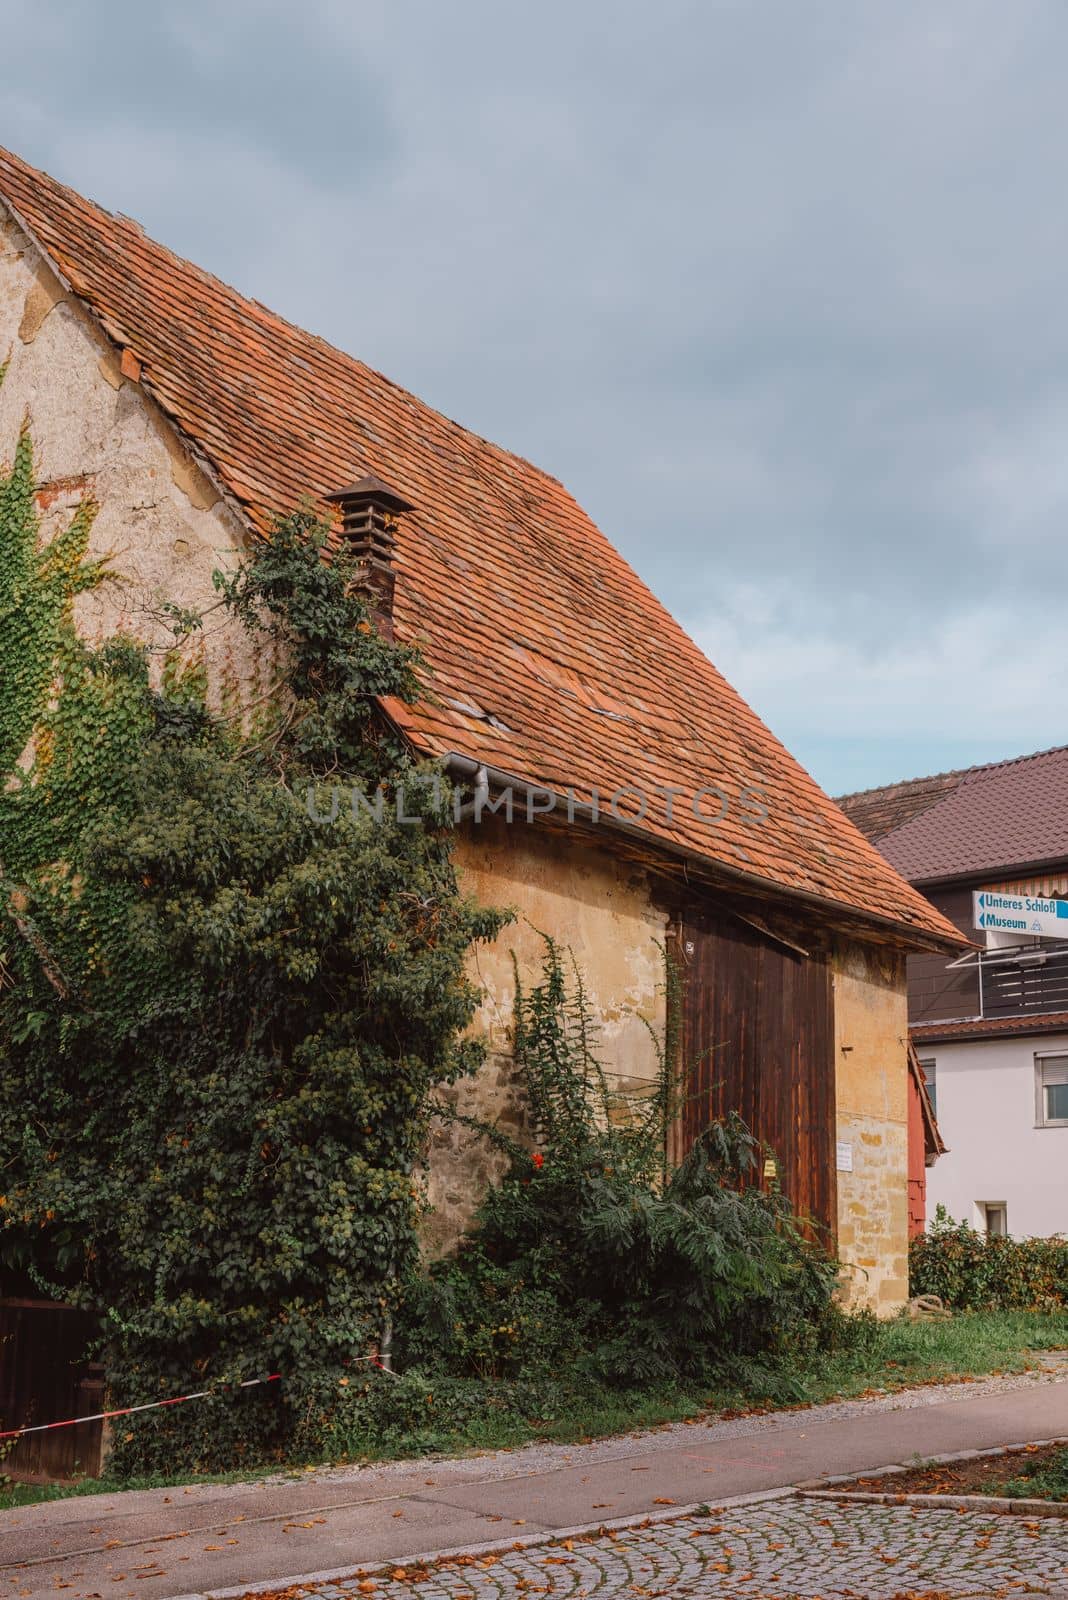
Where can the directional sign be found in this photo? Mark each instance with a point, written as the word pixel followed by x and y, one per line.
pixel 1021 913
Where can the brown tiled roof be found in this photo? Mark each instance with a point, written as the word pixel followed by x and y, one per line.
pixel 991 819
pixel 924 1033
pixel 526 614
pixel 933 1142
pixel 878 812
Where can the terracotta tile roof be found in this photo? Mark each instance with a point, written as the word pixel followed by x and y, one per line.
pixel 933 1142
pixel 1001 817
pixel 926 1033
pixel 525 612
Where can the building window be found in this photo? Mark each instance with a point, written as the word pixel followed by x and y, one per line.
pixel 995 1218
pixel 930 1078
pixel 1051 1091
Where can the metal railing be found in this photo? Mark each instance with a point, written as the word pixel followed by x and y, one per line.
pixel 1016 983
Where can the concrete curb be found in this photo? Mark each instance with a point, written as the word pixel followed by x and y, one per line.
pixel 809 1484
pixel 809 1488
pixel 492 1547
pixel 995 1505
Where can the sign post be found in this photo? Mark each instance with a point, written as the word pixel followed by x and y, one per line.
pixel 1020 913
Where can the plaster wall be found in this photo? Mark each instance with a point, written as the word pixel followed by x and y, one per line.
pixel 871 1087
pixel 602 910
pixel 96 435
pixel 987 1114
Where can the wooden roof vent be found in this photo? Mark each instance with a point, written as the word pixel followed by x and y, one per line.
pixel 370 511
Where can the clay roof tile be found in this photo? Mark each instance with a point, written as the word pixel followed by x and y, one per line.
pixel 515 596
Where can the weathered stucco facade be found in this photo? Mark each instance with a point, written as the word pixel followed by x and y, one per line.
pixel 871 1091
pixel 162 522
pixel 166 525
pixel 602 909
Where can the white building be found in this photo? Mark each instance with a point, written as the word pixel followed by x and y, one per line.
pixel 991 1028
pixel 1002 1107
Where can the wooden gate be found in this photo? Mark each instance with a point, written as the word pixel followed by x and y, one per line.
pixel 757 1037
pixel 44 1377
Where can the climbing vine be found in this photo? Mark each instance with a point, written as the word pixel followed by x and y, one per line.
pixel 591 1259
pixel 221 1018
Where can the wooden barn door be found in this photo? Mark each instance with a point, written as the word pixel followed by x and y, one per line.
pixel 44 1377
pixel 757 1037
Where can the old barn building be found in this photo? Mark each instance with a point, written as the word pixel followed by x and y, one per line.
pixel 193 415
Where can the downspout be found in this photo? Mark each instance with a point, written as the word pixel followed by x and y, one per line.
pixel 464 768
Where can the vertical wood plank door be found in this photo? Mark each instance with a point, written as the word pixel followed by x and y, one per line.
pixel 44 1378
pixel 757 1037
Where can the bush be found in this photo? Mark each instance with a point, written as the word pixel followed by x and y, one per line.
pixel 591 1256
pixel 974 1273
pixel 411 1414
pixel 224 1005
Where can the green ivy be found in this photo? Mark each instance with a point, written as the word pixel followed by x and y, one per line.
pixel 37 589
pixel 592 1258
pixel 221 1020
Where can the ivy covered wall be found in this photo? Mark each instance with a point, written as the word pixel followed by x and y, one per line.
pixel 221 1022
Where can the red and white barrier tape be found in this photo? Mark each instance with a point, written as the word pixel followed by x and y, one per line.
pixel 126 1411
pixel 176 1400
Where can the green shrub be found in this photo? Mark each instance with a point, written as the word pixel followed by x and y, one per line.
pixel 593 1256
pixel 221 1018
pixel 974 1273
pixel 413 1414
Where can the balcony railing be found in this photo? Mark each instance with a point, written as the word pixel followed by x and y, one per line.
pixel 1015 983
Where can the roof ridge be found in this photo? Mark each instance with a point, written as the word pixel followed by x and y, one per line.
pixel 952 772
pixel 903 783
pixel 123 219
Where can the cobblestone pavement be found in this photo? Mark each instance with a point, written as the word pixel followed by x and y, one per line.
pixel 772 1550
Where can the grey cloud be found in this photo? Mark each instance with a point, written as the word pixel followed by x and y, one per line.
pixel 776 289
pixel 209 77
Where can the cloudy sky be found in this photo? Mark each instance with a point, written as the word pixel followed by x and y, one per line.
pixel 780 290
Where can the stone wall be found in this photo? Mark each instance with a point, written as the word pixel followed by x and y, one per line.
pixel 871 1082
pixel 601 909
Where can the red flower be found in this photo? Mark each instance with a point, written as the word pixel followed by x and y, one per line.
pixel 538 1159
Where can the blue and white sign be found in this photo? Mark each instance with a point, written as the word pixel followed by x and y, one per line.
pixel 1021 913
